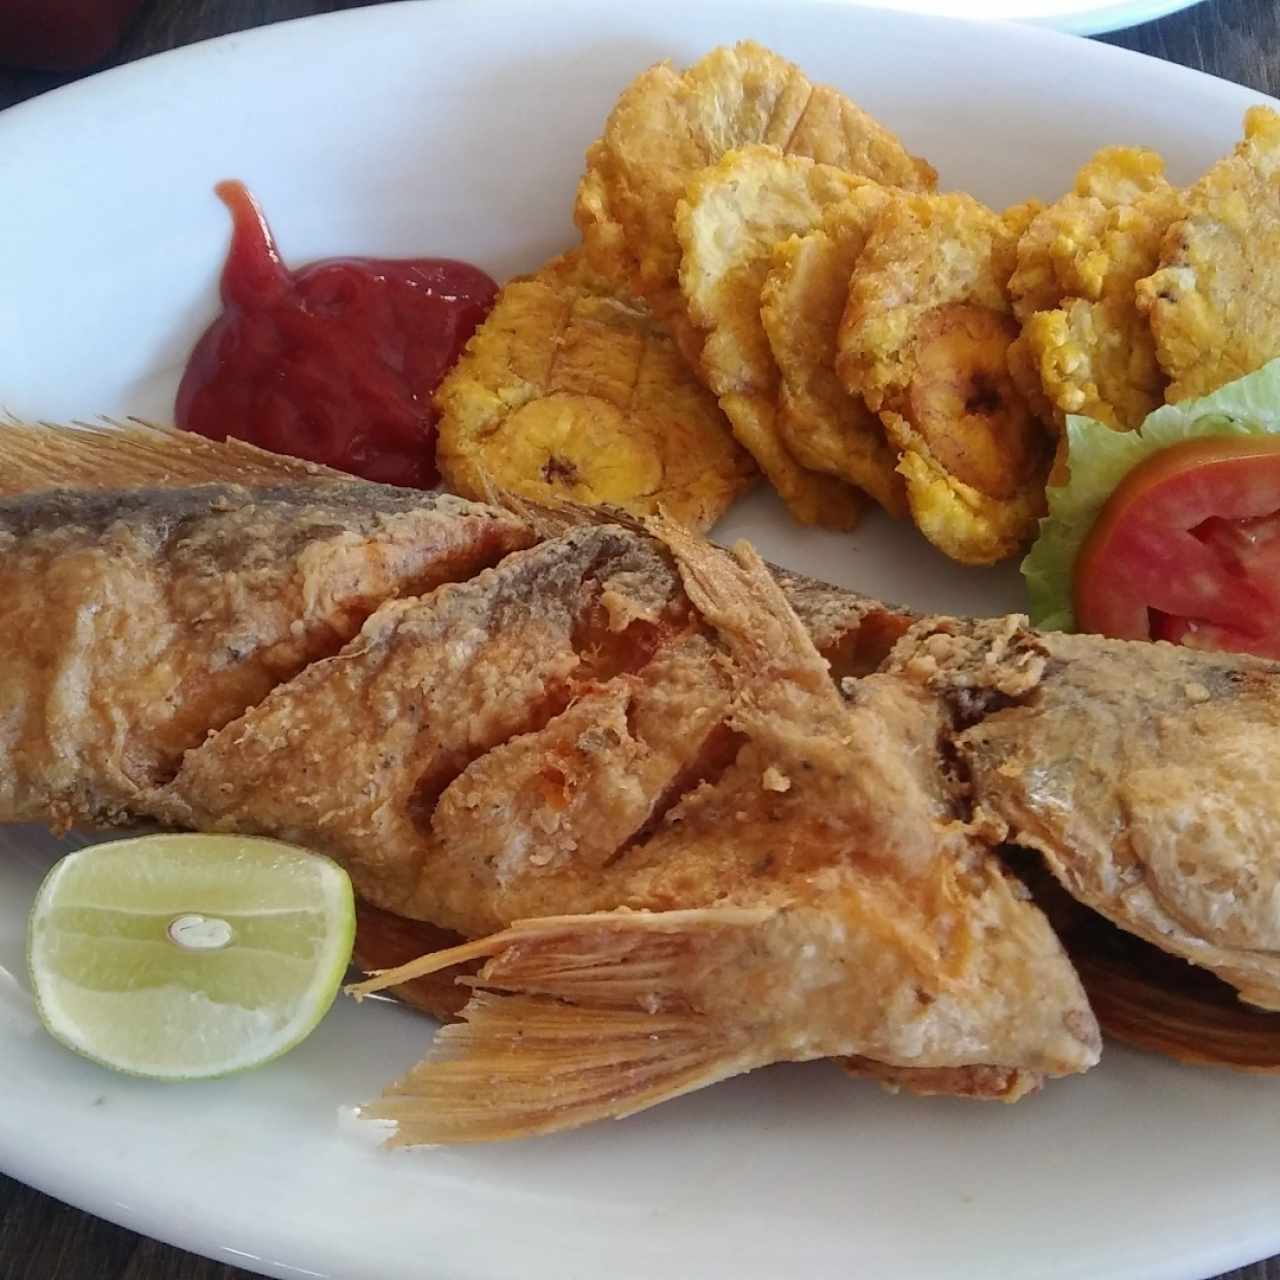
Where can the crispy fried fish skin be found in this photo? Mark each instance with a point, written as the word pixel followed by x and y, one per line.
pixel 811 895
pixel 1145 774
pixel 1085 347
pixel 1212 304
pixel 668 125
pixel 924 340
pixel 472 692
pixel 801 303
pixel 732 215
pixel 568 392
pixel 140 618
pixel 1003 1084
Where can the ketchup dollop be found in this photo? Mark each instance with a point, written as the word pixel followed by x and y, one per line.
pixel 335 362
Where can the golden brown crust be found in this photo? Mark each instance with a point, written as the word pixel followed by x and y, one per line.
pixel 1085 346
pixel 1211 303
pixel 667 125
pixel 1150 999
pixel 573 649
pixel 141 619
pixel 801 304
pixel 924 341
pixel 569 390
pixel 998 1084
pixel 732 215
pixel 817 893
pixel 1144 774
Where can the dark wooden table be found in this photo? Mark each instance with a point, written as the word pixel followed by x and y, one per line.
pixel 41 1239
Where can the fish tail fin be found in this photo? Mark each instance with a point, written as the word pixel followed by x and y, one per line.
pixel 36 456
pixel 574 1019
pixel 1189 1016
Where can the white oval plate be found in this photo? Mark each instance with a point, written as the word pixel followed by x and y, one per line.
pixel 457 128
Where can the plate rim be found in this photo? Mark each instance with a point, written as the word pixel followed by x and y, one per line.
pixel 70 1184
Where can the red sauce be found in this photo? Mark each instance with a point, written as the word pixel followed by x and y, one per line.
pixel 335 362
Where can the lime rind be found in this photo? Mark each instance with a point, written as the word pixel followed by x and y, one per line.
pixel 127 998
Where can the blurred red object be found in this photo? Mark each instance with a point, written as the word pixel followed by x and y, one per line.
pixel 61 35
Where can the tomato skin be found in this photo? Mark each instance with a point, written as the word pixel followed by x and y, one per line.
pixel 1187 549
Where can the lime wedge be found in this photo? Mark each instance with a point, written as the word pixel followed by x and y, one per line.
pixel 181 957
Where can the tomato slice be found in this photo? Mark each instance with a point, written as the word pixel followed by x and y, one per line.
pixel 1188 549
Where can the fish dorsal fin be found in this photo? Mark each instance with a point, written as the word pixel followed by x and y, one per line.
pixel 575 1019
pixel 37 456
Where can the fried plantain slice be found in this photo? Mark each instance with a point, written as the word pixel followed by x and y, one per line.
pixel 1214 301
pixel 924 340
pixel 801 302
pixel 1085 347
pixel 1064 251
pixel 1121 175
pixel 569 392
pixel 667 125
pixel 1094 358
pixel 727 225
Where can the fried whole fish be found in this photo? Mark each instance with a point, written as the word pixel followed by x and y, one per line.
pixel 814 892
pixel 660 749
pixel 158 584
pixel 619 766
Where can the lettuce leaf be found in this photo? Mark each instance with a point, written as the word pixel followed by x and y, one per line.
pixel 1100 458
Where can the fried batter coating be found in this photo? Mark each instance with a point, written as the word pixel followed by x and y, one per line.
pixel 1094 358
pixel 1214 302
pixel 568 392
pixel 1085 347
pixel 1122 175
pixel 668 125
pixel 1018 217
pixel 1070 249
pixel 733 215
pixel 924 340
pixel 801 303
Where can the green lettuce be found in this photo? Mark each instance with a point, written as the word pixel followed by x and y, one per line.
pixel 1100 458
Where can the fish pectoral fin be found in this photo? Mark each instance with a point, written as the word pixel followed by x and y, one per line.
pixel 1161 1004
pixel 574 1019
